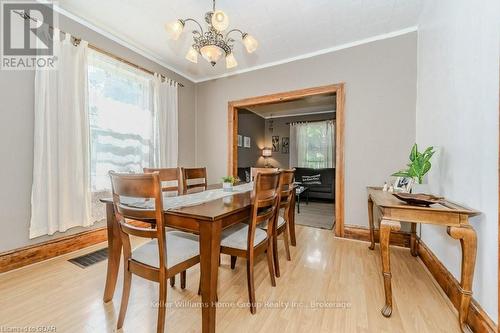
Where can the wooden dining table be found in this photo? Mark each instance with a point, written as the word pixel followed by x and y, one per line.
pixel 207 220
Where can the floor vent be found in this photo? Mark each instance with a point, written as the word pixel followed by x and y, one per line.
pixel 91 258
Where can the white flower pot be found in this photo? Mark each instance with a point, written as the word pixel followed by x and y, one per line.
pixel 420 188
pixel 228 187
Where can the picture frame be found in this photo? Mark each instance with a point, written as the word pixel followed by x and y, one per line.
pixel 247 142
pixel 276 143
pixel 403 184
pixel 285 145
pixel 240 140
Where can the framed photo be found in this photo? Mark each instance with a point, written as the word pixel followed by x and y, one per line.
pixel 403 184
pixel 246 142
pixel 285 145
pixel 276 143
pixel 240 141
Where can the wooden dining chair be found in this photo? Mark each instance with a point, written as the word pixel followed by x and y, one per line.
pixel 246 240
pixel 169 253
pixel 255 171
pixel 282 224
pixel 194 178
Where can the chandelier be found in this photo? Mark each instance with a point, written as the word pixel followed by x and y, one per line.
pixel 212 44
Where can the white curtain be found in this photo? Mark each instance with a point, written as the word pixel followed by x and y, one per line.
pixel 312 144
pixel 165 108
pixel 60 197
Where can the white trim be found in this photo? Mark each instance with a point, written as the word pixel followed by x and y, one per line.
pixel 125 43
pixel 315 53
pixel 294 114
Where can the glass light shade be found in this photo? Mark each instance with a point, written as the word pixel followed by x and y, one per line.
pixel 211 53
pixel 231 61
pixel 250 43
pixel 220 20
pixel 174 29
pixel 267 152
pixel 192 55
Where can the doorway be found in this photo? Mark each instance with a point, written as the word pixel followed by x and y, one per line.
pixel 335 89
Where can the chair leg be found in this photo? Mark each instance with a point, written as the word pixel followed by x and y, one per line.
pixel 183 280
pixel 162 307
pixel 287 244
pixel 172 281
pixel 270 264
pixel 275 256
pixel 251 287
pixel 127 282
pixel 233 261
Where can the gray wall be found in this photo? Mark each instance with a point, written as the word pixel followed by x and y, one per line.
pixel 16 137
pixel 251 125
pixel 282 129
pixel 380 82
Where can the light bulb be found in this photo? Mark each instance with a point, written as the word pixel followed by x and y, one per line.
pixel 192 55
pixel 211 53
pixel 174 29
pixel 231 61
pixel 250 43
pixel 220 20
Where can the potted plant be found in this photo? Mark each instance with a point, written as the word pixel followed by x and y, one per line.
pixel 418 167
pixel 228 182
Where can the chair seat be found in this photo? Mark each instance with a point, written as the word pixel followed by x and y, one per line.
pixel 181 246
pixel 236 236
pixel 281 222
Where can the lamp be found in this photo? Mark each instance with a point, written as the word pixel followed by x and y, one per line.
pixel 266 153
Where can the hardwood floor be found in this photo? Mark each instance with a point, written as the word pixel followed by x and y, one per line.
pixel 323 268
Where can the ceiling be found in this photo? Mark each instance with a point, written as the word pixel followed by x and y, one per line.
pixel 285 29
pixel 307 105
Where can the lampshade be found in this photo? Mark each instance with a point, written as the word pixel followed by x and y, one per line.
pixel 211 53
pixel 231 61
pixel 192 55
pixel 174 29
pixel 267 152
pixel 220 20
pixel 250 43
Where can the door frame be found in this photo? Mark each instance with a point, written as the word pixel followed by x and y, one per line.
pixel 338 89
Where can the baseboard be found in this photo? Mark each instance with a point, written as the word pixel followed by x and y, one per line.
pixel 398 238
pixel 477 319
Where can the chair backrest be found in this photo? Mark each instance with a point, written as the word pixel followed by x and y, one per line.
pixel 255 171
pixel 168 175
pixel 264 202
pixel 286 188
pixel 136 187
pixel 194 178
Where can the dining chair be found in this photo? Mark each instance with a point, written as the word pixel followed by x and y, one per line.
pixel 254 171
pixel 282 224
pixel 169 253
pixel 194 178
pixel 171 183
pixel 246 240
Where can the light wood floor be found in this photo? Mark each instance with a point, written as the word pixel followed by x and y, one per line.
pixel 323 268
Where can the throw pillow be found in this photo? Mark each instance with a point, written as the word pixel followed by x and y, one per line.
pixel 312 180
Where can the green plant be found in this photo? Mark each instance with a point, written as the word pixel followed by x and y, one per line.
pixel 419 164
pixel 229 179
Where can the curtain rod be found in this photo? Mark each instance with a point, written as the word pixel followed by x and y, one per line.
pixel 77 40
pixel 309 121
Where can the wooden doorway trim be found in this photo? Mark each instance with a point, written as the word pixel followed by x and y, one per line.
pixel 338 89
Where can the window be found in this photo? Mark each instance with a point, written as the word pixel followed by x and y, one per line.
pixel 118 92
pixel 312 145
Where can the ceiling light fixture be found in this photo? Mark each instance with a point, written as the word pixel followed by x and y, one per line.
pixel 212 45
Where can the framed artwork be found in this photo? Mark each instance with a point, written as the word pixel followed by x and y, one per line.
pixel 240 141
pixel 276 143
pixel 246 142
pixel 285 145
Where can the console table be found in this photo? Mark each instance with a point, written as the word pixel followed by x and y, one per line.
pixel 454 217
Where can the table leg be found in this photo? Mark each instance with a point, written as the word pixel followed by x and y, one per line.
pixel 209 261
pixel 114 253
pixel 370 222
pixel 468 241
pixel 291 220
pixel 386 226
pixel 413 240
pixel 298 204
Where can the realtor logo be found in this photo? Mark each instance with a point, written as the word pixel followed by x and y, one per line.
pixel 26 36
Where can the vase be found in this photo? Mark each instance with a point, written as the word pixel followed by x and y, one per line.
pixel 420 188
pixel 227 187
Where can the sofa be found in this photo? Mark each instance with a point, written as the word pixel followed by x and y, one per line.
pixel 320 187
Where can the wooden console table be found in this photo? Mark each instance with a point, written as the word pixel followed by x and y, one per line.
pixel 454 217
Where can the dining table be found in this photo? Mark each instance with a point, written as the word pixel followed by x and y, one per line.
pixel 206 219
